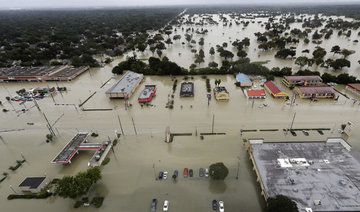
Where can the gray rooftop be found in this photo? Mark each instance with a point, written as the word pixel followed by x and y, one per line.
pixel 127 82
pixel 310 171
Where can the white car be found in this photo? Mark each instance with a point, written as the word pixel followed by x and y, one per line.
pixel 166 205
pixel 221 206
pixel 206 172
pixel 165 175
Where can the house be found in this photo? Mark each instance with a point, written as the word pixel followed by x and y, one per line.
pixel 255 94
pixel 314 92
pixel 275 90
pixel 244 80
pixel 32 184
pixel 292 81
pixel 354 88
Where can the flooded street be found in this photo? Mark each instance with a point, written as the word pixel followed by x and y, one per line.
pixel 128 182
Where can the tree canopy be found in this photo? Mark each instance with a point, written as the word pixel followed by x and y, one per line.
pixel 281 203
pixel 218 171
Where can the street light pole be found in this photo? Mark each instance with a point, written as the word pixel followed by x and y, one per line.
pixel 237 174
pixel 154 171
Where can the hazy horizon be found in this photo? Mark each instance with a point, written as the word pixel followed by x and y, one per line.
pixel 43 4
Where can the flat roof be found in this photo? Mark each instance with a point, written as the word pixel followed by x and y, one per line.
pixel 309 171
pixel 126 84
pixel 256 92
pixel 242 78
pixel 317 90
pixel 355 86
pixel 304 78
pixel 32 182
pixel 70 149
pixel 273 87
pixel 187 87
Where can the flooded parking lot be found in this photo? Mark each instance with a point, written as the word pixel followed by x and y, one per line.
pixel 128 182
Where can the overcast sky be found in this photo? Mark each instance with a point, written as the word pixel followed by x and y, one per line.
pixel 5 4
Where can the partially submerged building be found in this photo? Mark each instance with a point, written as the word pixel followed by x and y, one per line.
pixel 32 184
pixel 187 89
pixel 275 90
pixel 315 92
pixel 255 94
pixel 126 86
pixel 311 80
pixel 318 176
pixel 221 94
pixel 244 80
pixel 41 73
pixel 354 88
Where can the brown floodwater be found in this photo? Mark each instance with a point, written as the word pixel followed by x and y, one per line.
pixel 128 182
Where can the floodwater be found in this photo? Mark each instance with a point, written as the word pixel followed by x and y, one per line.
pixel 128 182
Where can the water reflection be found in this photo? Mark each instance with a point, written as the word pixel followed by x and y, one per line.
pixel 217 186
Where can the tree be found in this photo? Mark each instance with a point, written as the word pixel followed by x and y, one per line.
pixel 339 63
pixel 301 61
pixel 168 41
pixel 159 52
pixel 218 171
pixel 241 54
pixel 226 54
pixel 201 42
pixel 284 53
pixel 319 53
pixel 212 51
pixel 346 52
pixel 188 37
pixel 213 64
pixel 326 77
pixel 316 35
pixel 335 49
pixel 246 41
pixel 177 37
pixel 280 203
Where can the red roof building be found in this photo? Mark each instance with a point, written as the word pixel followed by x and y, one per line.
pixel 354 88
pixel 275 90
pixel 255 94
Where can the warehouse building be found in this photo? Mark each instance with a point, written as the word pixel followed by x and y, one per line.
pixel 244 80
pixel 275 90
pixel 126 86
pixel 316 92
pixel 354 88
pixel 292 81
pixel 318 176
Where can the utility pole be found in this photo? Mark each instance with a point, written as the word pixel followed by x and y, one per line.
pixel 154 171
pixel 122 131
pixel 292 121
pixel 212 127
pixel 49 125
pixel 134 125
pixel 237 173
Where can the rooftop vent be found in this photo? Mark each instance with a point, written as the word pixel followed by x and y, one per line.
pixel 317 202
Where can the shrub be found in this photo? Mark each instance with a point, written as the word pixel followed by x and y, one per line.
pixel 97 201
pixel 94 134
pixel 77 204
pixel 106 161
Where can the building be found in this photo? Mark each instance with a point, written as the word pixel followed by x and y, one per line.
pixel 275 90
pixel 41 73
pixel 244 80
pixel 318 176
pixel 255 94
pixel 147 94
pixel 126 86
pixel 292 81
pixel 32 184
pixel 221 94
pixel 80 143
pixel 354 88
pixel 316 92
pixel 187 89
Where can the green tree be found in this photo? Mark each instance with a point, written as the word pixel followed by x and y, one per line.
pixel 226 54
pixel 212 51
pixel 346 52
pixel 281 203
pixel 213 64
pixel 335 49
pixel 301 61
pixel 241 54
pixel 218 171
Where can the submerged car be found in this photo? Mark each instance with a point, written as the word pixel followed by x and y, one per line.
pixel 191 172
pixel 161 174
pixel 201 172
pixel 221 206
pixel 165 175
pixel 206 172
pixel 214 205
pixel 166 205
pixel 153 205
pixel 186 172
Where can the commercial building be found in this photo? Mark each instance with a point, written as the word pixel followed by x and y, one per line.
pixel 275 90
pixel 41 73
pixel 292 81
pixel 318 176
pixel 126 86
pixel 187 89
pixel 255 94
pixel 244 80
pixel 316 92
pixel 354 88
pixel 32 184
pixel 221 94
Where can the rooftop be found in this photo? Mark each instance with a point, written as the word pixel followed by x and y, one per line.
pixel 242 78
pixel 32 182
pixel 355 86
pixel 273 86
pixel 256 92
pixel 317 90
pixel 126 84
pixel 310 173
pixel 304 78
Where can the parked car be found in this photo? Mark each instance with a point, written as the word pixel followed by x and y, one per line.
pixel 165 175
pixel 153 205
pixel 206 172
pixel 221 206
pixel 176 173
pixel 201 172
pixel 293 132
pixel 166 205
pixel 191 172
pixel 306 133
pixel 214 205
pixel 161 174
pixel 186 172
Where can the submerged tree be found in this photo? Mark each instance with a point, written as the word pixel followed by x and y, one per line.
pixel 218 171
pixel 281 203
